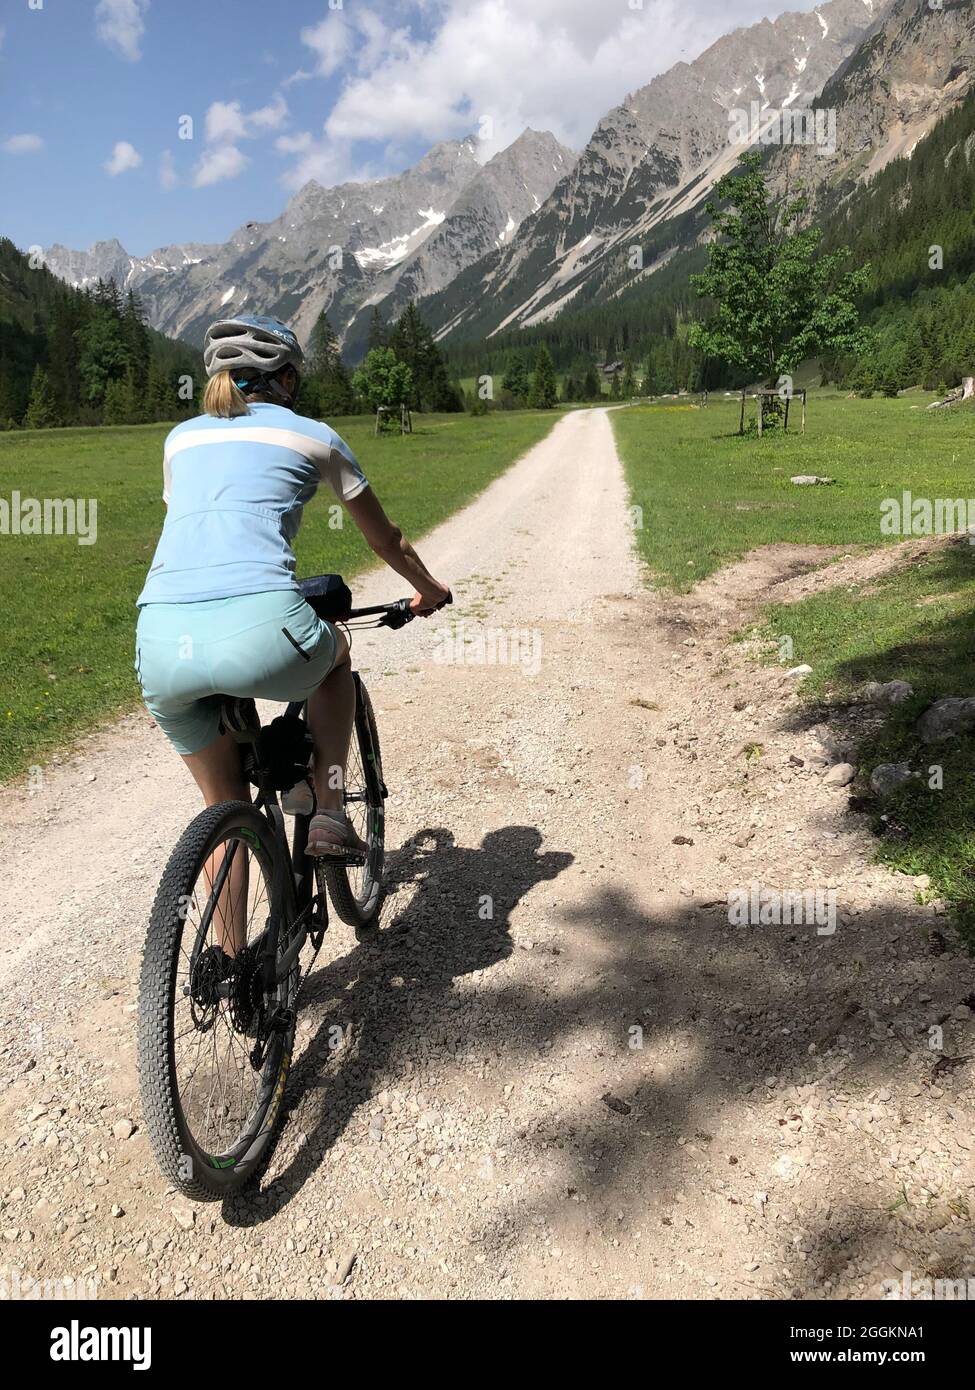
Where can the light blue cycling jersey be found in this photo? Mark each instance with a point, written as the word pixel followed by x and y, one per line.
pixel 235 492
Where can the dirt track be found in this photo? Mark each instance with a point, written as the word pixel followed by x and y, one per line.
pixel 602 1090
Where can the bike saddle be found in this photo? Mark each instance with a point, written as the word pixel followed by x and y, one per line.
pixel 239 718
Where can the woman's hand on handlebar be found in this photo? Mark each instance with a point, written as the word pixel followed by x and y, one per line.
pixel 423 604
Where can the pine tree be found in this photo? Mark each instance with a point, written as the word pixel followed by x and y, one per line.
pixel 42 411
pixel 412 342
pixel 329 386
pixel 378 331
pixel 591 387
pixel 543 393
pixel 515 378
pixel 11 404
pixel 136 337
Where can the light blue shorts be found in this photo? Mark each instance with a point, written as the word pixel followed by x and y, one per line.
pixel 268 646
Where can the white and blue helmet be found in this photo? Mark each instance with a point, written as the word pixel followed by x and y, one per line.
pixel 249 344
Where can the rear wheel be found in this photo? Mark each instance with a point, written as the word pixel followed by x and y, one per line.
pixel 357 890
pixel 214 1047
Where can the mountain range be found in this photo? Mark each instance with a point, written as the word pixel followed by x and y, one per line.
pixel 539 231
pixel 340 248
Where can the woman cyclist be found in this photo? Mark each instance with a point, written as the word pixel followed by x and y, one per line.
pixel 220 612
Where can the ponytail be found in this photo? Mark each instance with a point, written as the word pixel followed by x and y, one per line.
pixel 223 399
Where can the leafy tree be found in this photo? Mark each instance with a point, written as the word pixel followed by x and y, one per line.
pixel 776 301
pixel 42 411
pixel 383 380
pixel 117 408
pixel 543 393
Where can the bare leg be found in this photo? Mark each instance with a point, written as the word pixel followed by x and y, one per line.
pixel 331 716
pixel 217 772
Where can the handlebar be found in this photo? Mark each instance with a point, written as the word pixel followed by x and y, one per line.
pixel 331 599
pixel 395 615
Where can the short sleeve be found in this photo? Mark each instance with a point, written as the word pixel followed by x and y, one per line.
pixel 167 471
pixel 342 471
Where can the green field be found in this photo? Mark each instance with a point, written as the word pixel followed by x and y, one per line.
pixel 66 650
pixel 708 495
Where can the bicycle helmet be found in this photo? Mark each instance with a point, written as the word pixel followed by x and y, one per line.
pixel 250 344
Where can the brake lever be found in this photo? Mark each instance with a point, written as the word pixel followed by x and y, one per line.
pixel 402 613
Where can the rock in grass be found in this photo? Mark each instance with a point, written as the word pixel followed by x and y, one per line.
pixel 797 672
pixel 809 480
pixel 886 778
pixel 945 718
pixel 888 692
pixel 840 775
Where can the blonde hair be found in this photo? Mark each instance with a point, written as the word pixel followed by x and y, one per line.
pixel 223 399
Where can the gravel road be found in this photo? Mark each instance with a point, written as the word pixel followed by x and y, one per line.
pixel 561 1072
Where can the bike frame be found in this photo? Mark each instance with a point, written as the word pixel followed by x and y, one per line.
pixel 292 888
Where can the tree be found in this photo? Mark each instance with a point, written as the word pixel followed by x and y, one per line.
pixel 117 408
pixel 383 380
pixel 102 353
pixel 592 388
pixel 328 388
pixel 776 301
pixel 41 408
pixel 136 337
pixel 628 387
pixel 543 393
pixel 413 343
pixel 515 377
pixel 378 330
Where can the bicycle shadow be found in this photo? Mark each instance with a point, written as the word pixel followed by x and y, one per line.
pixel 456 922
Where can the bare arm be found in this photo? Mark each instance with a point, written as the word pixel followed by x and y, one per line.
pixel 389 543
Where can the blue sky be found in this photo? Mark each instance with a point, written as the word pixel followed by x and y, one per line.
pixel 92 93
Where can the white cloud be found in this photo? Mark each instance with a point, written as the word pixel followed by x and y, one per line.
pixel 124 157
pixel 23 144
pixel 167 171
pixel 331 39
pixel 220 163
pixel 555 65
pixel 294 144
pixel 120 25
pixel 227 122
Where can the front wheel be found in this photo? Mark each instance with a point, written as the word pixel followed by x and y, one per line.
pixel 357 890
pixel 214 1046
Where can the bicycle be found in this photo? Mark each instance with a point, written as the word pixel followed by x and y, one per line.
pixel 222 970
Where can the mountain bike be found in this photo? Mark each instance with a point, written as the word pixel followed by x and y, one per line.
pixel 237 906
